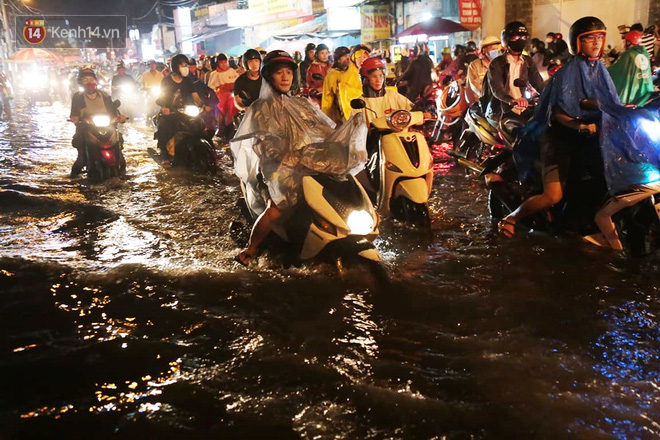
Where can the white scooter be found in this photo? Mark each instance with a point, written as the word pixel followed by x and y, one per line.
pixel 401 166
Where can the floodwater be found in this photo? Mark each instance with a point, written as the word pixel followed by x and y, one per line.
pixel 123 315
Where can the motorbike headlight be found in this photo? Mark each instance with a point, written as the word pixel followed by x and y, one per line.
pixel 126 87
pixel 81 89
pixel 155 91
pixel 399 120
pixel 651 127
pixel 53 83
pixel 101 120
pixel 65 82
pixel 360 222
pixel 192 110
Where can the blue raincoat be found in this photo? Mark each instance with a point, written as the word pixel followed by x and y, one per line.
pixel 629 138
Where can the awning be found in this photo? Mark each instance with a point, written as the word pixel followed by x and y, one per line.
pixel 318 24
pixel 211 32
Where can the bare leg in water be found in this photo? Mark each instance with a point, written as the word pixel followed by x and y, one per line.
pixel 552 194
pixel 260 231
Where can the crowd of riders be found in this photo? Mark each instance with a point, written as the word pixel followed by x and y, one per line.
pixel 321 84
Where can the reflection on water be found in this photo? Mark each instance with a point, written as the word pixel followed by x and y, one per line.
pixel 125 315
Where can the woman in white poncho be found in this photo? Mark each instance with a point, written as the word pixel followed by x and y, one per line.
pixel 280 140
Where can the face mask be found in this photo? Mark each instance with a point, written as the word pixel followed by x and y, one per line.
pixel 90 87
pixel 517 46
pixel 183 71
pixel 492 54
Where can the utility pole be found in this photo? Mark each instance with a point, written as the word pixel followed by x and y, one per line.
pixel 159 11
pixel 5 24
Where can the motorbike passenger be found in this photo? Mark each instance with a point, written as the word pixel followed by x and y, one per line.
pixel 85 104
pixel 377 97
pixel 631 72
pixel 490 49
pixel 176 91
pixel 501 94
pixel 282 136
pixel 418 75
pixel 209 98
pixel 248 85
pixel 152 77
pixel 621 155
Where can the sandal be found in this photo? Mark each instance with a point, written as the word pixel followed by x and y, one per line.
pixel 244 258
pixel 506 227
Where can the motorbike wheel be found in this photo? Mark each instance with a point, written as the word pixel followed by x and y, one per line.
pixel 408 211
pixel 204 156
pixel 637 226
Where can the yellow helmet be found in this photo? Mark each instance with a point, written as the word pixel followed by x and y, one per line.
pixel 488 41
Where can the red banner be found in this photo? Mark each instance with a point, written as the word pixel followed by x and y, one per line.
pixel 470 13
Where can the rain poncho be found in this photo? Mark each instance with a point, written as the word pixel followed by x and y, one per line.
pixel 632 76
pixel 629 138
pixel 285 138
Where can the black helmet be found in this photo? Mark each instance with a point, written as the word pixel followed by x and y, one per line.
pixel 321 47
pixel 512 29
pixel 274 60
pixel 85 71
pixel 310 46
pixel 471 46
pixel 585 25
pixel 176 61
pixel 251 54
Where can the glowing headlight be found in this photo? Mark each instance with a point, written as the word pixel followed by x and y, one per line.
pixel 126 87
pixel 155 91
pixel 360 222
pixel 65 82
pixel 399 120
pixel 81 89
pixel 192 110
pixel 53 83
pixel 651 128
pixel 101 120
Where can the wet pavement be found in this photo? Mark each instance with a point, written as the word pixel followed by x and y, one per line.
pixel 124 315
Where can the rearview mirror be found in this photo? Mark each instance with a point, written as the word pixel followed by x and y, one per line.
pixel 358 103
pixel 317 76
pixel 116 103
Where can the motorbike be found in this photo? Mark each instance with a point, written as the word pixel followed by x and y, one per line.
pixel 480 140
pixel 400 166
pixel 103 145
pixel 632 217
pixel 127 93
pixel 190 147
pixel 151 109
pixel 335 221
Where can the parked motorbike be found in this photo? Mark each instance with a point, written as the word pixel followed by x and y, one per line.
pixel 400 166
pixel 6 95
pixel 103 145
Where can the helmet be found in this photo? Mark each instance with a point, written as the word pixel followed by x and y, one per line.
pixel 488 41
pixel 356 51
pixel 634 37
pixel 177 60
pixel 371 64
pixel 321 47
pixel 459 50
pixel 310 46
pixel 511 30
pixel 471 46
pixel 251 54
pixel 446 51
pixel 85 71
pixel 584 26
pixel 274 59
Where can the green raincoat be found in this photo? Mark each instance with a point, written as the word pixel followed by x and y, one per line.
pixel 632 76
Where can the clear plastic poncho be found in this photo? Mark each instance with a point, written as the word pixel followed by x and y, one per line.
pixel 285 138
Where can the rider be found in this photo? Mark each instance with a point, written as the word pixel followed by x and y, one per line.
pixel 490 49
pixel 631 72
pixel 84 105
pixel 342 83
pixel 320 65
pixel 248 85
pixel 285 133
pixel 570 130
pixel 501 94
pixel 176 91
pixel 152 77
pixel 120 79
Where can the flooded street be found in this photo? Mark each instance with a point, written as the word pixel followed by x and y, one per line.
pixel 123 315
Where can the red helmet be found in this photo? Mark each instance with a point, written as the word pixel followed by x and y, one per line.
pixel 634 37
pixel 371 64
